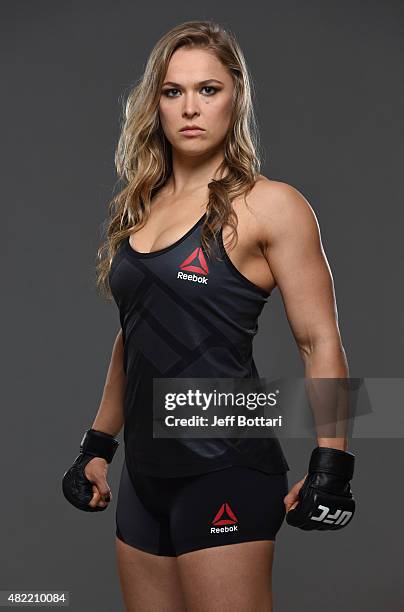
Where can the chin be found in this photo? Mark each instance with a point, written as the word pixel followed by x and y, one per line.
pixel 193 149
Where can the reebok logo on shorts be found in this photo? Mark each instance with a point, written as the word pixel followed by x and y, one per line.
pixel 196 263
pixel 225 520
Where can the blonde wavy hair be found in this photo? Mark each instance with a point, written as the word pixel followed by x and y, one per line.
pixel 143 157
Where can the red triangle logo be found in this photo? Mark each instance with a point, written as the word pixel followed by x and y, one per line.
pixel 225 516
pixel 195 262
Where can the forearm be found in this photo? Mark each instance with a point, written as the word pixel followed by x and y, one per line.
pixel 110 417
pixel 328 360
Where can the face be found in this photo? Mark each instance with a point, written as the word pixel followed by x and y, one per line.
pixel 197 90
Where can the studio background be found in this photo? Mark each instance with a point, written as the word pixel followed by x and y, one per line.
pixel 329 99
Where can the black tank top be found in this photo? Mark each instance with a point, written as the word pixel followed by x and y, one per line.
pixel 184 315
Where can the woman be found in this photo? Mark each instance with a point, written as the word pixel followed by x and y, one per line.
pixel 197 241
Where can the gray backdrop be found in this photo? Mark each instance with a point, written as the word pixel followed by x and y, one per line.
pixel 330 91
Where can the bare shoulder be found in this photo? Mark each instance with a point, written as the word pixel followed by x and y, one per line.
pixel 280 209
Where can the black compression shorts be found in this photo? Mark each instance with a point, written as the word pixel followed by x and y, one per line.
pixel 173 516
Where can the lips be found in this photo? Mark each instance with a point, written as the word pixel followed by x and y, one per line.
pixel 191 128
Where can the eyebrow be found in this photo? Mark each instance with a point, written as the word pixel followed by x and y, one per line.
pixel 200 82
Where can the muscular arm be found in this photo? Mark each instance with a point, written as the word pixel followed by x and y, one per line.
pixel 110 417
pixel 293 249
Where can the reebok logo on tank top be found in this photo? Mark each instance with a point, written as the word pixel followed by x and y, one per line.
pixel 225 520
pixel 195 262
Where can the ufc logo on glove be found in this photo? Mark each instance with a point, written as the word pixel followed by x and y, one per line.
pixel 339 518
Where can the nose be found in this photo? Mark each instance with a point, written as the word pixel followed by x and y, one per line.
pixel 190 107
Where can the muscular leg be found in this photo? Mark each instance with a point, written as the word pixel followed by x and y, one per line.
pixel 228 578
pixel 148 582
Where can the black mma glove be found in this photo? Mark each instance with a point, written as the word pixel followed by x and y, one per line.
pixel 325 499
pixel 77 489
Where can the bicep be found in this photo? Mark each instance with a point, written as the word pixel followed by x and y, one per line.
pixel 302 273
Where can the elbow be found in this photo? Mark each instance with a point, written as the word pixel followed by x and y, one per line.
pixel 325 348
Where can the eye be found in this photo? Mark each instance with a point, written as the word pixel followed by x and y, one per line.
pixel 215 89
pixel 166 92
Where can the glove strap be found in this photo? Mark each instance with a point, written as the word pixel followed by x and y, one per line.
pixel 99 444
pixel 332 461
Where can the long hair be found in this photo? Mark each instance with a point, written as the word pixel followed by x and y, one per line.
pixel 143 157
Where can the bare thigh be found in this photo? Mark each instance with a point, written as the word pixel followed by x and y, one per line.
pixel 148 582
pixel 234 577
